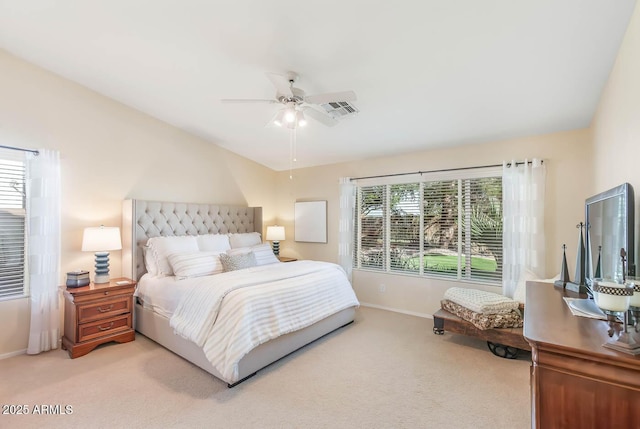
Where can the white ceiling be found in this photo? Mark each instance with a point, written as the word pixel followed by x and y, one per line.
pixel 427 73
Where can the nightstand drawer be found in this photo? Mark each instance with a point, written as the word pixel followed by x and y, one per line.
pixel 104 309
pixel 91 296
pixel 104 327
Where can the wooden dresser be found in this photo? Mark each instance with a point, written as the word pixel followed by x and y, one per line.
pixel 575 382
pixel 98 314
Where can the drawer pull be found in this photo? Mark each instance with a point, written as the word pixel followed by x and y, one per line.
pixel 104 310
pixel 107 328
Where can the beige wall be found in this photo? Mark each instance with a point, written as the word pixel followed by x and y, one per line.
pixel 568 184
pixel 616 125
pixel 110 152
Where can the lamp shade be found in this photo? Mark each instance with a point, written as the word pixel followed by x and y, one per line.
pixel 275 233
pixel 101 238
pixel 279 118
pixel 301 121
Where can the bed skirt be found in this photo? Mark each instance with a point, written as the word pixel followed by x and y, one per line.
pixel 156 327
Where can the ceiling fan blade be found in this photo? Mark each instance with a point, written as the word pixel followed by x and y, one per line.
pixel 320 117
pixel 331 96
pixel 247 100
pixel 281 83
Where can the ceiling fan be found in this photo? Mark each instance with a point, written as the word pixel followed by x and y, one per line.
pixel 326 108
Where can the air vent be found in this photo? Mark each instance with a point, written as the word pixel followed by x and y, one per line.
pixel 340 109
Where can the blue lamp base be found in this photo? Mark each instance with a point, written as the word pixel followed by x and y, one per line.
pixel 276 248
pixel 102 268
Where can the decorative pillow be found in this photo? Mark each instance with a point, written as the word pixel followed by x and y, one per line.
pixel 195 264
pixel 159 248
pixel 237 262
pixel 213 242
pixel 263 253
pixel 245 239
pixel 512 319
pixel 480 301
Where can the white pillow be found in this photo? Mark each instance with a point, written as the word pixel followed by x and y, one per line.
pixel 195 264
pixel 480 301
pixel 213 242
pixel 149 261
pixel 245 239
pixel 262 252
pixel 159 248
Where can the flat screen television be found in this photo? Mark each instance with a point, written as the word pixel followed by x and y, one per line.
pixel 609 219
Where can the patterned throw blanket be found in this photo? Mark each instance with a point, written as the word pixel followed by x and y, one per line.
pixel 230 314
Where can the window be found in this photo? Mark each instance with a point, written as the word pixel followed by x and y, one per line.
pixel 12 224
pixel 448 227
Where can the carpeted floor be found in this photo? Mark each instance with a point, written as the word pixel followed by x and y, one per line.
pixel 387 370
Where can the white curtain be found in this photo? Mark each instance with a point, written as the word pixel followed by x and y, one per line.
pixel 523 188
pixel 345 228
pixel 43 244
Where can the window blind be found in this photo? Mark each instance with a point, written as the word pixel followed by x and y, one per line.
pixel 371 252
pixel 12 224
pixel 404 227
pixel 451 227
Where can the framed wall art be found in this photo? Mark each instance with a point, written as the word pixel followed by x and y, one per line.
pixel 311 221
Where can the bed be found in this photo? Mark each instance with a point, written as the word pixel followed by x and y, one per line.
pixel 146 220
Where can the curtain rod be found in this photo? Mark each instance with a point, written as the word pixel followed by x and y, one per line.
pixel 35 152
pixel 439 171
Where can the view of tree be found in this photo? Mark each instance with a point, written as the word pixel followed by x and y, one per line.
pixel 482 210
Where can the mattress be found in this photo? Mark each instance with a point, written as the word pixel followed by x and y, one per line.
pixel 161 294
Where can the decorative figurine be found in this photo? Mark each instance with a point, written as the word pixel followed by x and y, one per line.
pixel 564 271
pixel 579 284
pixel 598 273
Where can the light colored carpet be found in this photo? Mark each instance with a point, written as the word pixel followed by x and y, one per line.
pixel 387 370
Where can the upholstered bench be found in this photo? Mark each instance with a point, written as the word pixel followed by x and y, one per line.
pixel 490 316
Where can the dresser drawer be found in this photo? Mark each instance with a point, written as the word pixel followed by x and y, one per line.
pixel 104 327
pixel 104 309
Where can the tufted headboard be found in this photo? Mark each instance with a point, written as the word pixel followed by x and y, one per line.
pixel 142 220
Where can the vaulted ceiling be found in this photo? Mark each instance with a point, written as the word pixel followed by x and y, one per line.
pixel 427 73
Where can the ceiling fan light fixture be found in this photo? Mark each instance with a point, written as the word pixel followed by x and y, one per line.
pixel 292 101
pixel 290 115
pixel 279 119
pixel 301 121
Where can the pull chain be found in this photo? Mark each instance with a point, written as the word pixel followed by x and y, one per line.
pixel 292 151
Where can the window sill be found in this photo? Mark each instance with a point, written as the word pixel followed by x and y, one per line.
pixel 13 298
pixel 429 277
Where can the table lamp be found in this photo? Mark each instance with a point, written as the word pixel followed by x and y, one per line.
pixel 275 234
pixel 100 240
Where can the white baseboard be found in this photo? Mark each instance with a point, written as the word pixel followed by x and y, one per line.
pixel 397 310
pixel 24 351
pixel 12 354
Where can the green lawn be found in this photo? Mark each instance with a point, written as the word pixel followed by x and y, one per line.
pixel 450 263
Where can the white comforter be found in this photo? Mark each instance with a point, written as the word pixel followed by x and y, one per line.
pixel 229 314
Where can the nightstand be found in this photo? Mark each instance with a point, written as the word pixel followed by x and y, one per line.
pixel 98 314
pixel 286 259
